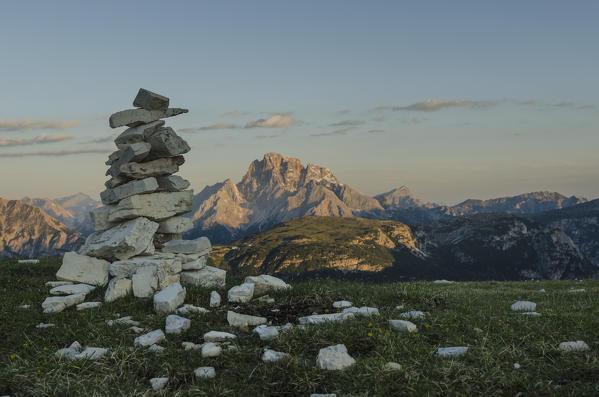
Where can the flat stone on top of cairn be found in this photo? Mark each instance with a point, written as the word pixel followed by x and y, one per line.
pixel 137 239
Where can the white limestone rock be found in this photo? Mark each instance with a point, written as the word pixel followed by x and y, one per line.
pixel 443 282
pixel 176 224
pixel 169 299
pixel 190 346
pixel 83 269
pixel 322 318
pixel 166 143
pixel 91 353
pixel 154 206
pixel 533 314
pixel 118 288
pixel 210 349
pixel 144 282
pixel 574 346
pixel 413 315
pixel 136 330
pixel 270 356
pixel 150 101
pixel 155 168
pixel 265 283
pixel 53 284
pixel 139 186
pixel 132 153
pixel 158 383
pixel 334 358
pixel 403 325
pixel 56 304
pixel 524 306
pixel 191 309
pixel 137 134
pixel 342 304
pixel 120 242
pixel 156 349
pixel 205 372
pixel 241 293
pixel 265 332
pixel 72 289
pixel 149 339
pixel 453 351
pixel 24 307
pixel 214 299
pixel 363 311
pixel 198 246
pixel 208 277
pixel 176 324
pixel 69 353
pixel 88 305
pixel 244 320
pixel 136 117
pixel 172 183
pixel 45 325
pixel 128 267
pixel 99 217
pixel 198 264
pixel 391 366
pixel 218 336
pixel 127 320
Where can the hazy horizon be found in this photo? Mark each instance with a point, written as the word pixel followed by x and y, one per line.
pixel 454 100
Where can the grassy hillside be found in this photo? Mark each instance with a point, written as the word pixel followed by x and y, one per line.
pixel 475 314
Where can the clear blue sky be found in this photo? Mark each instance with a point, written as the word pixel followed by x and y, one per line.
pixel 512 90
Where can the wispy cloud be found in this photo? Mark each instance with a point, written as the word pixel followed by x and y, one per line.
pixel 345 123
pixel 376 131
pixel 342 131
pixel 266 136
pixel 561 104
pixel 10 141
pixel 31 124
pixel 276 121
pixel 433 105
pixel 380 118
pixel 105 139
pixel 58 153
pixel 235 113
pixel 344 111
pixel 217 126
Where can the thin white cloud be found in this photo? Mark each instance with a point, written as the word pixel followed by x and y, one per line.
pixel 561 104
pixel 342 131
pixel 105 139
pixel 218 126
pixel 58 153
pixel 376 131
pixel 10 141
pixel 275 121
pixel 235 113
pixel 433 105
pixel 31 124
pixel 344 123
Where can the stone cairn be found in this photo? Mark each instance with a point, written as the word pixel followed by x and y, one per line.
pixel 137 247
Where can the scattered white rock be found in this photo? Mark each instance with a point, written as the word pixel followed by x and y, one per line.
pixel 190 346
pixel 266 299
pixel 70 352
pixel 91 353
pixel 399 307
pixel 176 324
pixel 150 338
pixel 83 269
pixel 118 288
pixel 127 320
pixel 534 314
pixel 334 358
pixel 55 304
pixel 524 306
pixel 574 346
pixel 542 290
pixel 414 315
pixel 198 264
pixel 241 293
pixel 342 304
pixel 210 349
pixel 403 325
pixel 24 307
pixel 137 330
pixel 158 383
pixel 45 325
pixel 244 320
pixel 191 309
pixel 214 299
pixel 218 336
pixel 577 290
pixel 516 366
pixel 88 305
pixel 208 277
pixel 205 372
pixel 443 282
pixel 363 311
pixel 167 300
pixel 270 356
pixel 53 284
pixel 156 349
pixel 391 366
pixel 452 351
pixel 266 332
pixel 322 318
pixel 265 283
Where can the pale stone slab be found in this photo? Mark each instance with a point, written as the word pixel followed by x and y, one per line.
pixel 158 383
pixel 218 336
pixel 70 352
pixel 135 117
pixel 159 167
pixel 190 346
pixel 198 246
pixel 127 320
pixel 574 346
pixel 210 349
pixel 342 304
pixel 205 372
pixel 166 143
pixel 198 264
pixel 91 353
pixel 83 269
pixel 156 349
pixel 241 293
pixel 265 332
pixel 322 318
pixel 176 224
pixel 154 206
pixel 524 306
pixel 139 186
pixel 99 217
pixel 144 282
pixel 214 299
pixel 172 183
pixel 150 101
pixel 334 358
pixel 169 299
pixel 116 181
pixel 132 153
pixel 270 356
pixel 45 325
pixel 451 351
pixel 56 304
pixel 149 339
pixel 363 311
pixel 244 320
pixel 391 366
pixel 176 324
pixel 88 305
pixel 53 284
pixel 118 288
pixel 413 315
pixel 137 134
pixel 191 309
pixel 128 267
pixel 72 289
pixel 265 283
pixel 403 325
pixel 208 277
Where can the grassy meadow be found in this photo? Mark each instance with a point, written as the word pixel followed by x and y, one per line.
pixel 473 314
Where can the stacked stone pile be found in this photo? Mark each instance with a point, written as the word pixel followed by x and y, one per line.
pixel 136 247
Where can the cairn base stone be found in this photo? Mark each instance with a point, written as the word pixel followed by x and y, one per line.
pixel 83 269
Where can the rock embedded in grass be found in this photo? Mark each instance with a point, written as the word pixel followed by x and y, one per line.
pixel 158 383
pixel 53 284
pixel 176 324
pixel 151 338
pixel 88 305
pixel 524 306
pixel 208 277
pixel 266 332
pixel 214 299
pixel 453 351
pixel 533 314
pixel 265 283
pixel 403 325
pixel 205 372
pixel 244 320
pixel 45 325
pixel 118 288
pixel 190 346
pixel 323 318
pixel 83 269
pixel 443 282
pixel 413 314
pixel 127 320
pixel 573 346
pixel 191 309
pixel 56 304
pixel 218 336
pixel 167 300
pixel 363 311
pixel 342 304
pixel 391 366
pixel 156 349
pixel 210 349
pixel 92 353
pixel 70 352
pixel 269 356
pixel 72 289
pixel 241 293
pixel 334 358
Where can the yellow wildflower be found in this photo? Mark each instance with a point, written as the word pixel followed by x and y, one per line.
pixel 45 348
pixel 427 326
pixel 12 356
pixel 380 331
pixel 24 344
pixel 370 324
pixel 388 332
pixel 38 371
pixel 370 334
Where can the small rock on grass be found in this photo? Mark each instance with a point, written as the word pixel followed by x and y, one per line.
pixel 205 372
pixel 403 325
pixel 191 309
pixel 42 325
pixel 127 320
pixel 533 314
pixel 453 351
pixel 414 314
pixel 190 346
pixel 158 383
pixel 156 349
pixel 218 336
pixel 524 306
pixel 342 304
pixel 214 299
pixel 391 366
pixel 334 358
pixel 516 366
pixel 270 356
pixel 176 324
pixel 574 346
pixel 210 349
pixel 24 306
pixel 150 338
pixel 88 305
pixel 363 311
pixel 265 332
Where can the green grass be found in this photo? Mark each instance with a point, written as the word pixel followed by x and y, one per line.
pixel 28 365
